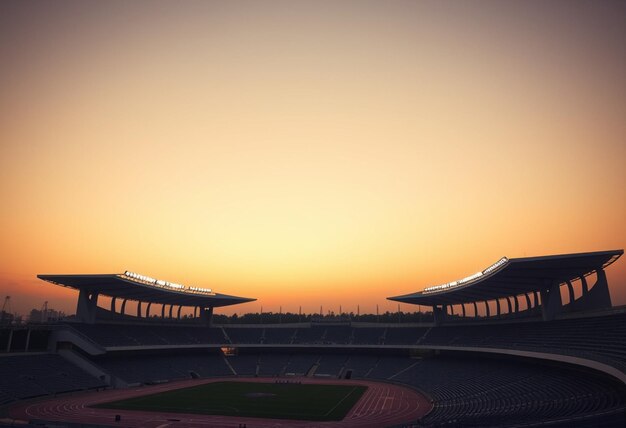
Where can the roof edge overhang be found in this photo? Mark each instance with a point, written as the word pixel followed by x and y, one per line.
pixel 96 282
pixel 426 297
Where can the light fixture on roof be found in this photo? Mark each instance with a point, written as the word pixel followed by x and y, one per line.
pixel 164 284
pixel 494 267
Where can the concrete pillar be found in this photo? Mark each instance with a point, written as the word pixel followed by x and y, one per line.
pixel 463 309
pixel 516 304
pixel 207 316
pixel 570 289
pixel 550 301
pixel 583 281
pixel 178 312
pixel 113 304
pixel 123 308
pixel 487 309
pixel 529 306
pixel 598 297
pixel 508 303
pixel 148 310
pixel 163 310
pixel 439 313
pixel 475 309
pixel 139 309
pixel 498 307
pixel 86 308
pixel 171 307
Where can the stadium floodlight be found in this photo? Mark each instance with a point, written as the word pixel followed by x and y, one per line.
pixel 164 284
pixel 138 277
pixel 201 290
pixel 152 281
pixel 494 267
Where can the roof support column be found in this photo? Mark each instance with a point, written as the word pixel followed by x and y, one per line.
pixel 498 306
pixel 113 304
pixel 163 310
pixel 598 296
pixel 86 308
pixel 463 308
pixel 123 308
pixel 139 309
pixel 570 289
pixel 508 303
pixel 439 314
pixel 583 281
pixel 550 301
pixel 528 304
pixel 536 297
pixel 516 303
pixel 207 316
pixel 475 309
pixel 171 307
pixel 487 309
pixel 148 310
pixel 178 312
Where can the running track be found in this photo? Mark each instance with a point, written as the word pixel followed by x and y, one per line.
pixel 381 405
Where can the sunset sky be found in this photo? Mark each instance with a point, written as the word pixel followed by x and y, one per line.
pixel 307 153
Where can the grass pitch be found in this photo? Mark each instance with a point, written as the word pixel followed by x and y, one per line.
pixel 312 402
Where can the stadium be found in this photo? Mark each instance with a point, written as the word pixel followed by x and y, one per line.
pixel 531 341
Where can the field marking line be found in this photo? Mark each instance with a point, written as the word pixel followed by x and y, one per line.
pixel 341 401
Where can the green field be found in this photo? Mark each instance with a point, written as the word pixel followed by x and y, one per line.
pixel 311 402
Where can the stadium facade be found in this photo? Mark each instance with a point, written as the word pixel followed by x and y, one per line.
pixel 504 349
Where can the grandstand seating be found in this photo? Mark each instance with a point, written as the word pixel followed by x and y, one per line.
pixel 404 335
pixel 600 338
pixel 361 364
pixel 331 364
pixel 273 364
pixel 244 335
pixel 368 335
pixel 301 364
pixel 149 368
pixel 245 365
pixel 310 335
pixel 281 335
pixel 484 392
pixel 27 376
pixel 115 335
pixel 467 391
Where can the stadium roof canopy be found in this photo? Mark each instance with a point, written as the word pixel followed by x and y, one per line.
pixel 141 288
pixel 512 277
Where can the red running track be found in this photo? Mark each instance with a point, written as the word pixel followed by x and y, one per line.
pixel 381 405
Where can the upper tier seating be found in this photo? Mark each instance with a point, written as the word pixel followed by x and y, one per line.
pixel 112 335
pixel 601 338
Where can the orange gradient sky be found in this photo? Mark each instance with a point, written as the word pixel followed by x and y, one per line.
pixel 307 152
